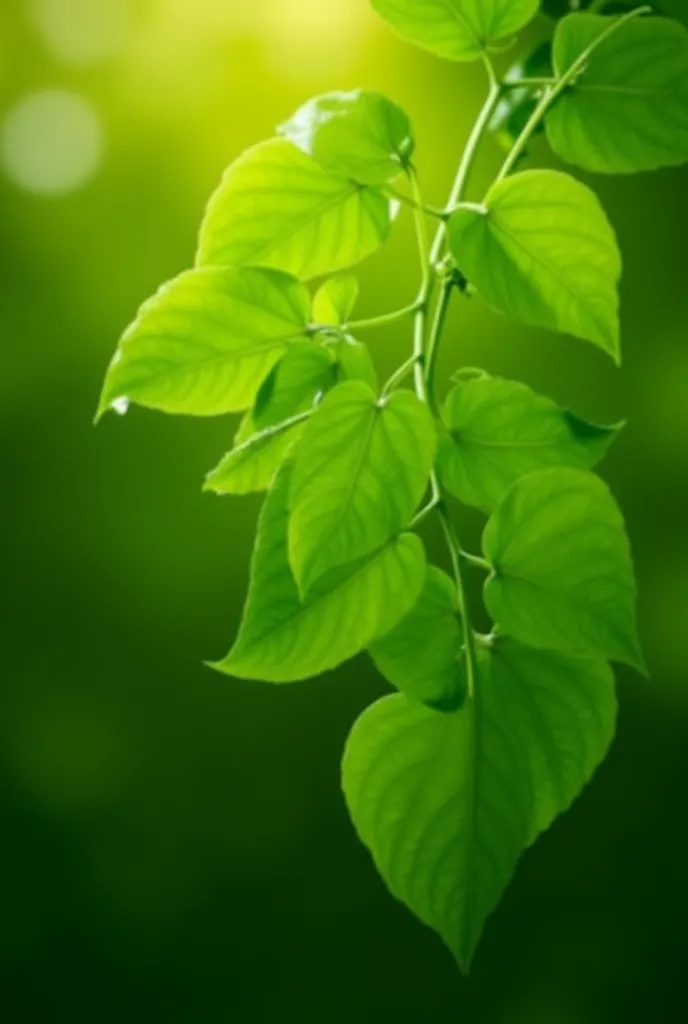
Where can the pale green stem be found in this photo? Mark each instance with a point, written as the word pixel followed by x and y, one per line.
pixel 553 92
pixel 432 211
pixel 528 83
pixel 454 546
pixel 476 561
pixel 382 320
pixel 425 362
pixel 400 374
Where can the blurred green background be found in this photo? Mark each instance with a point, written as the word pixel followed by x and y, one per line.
pixel 173 844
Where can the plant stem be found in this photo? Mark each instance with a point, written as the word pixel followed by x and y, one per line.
pixel 477 561
pixel 554 91
pixel 425 361
pixel 454 546
pixel 432 211
pixel 527 83
pixel 436 332
pixel 399 374
pixel 380 321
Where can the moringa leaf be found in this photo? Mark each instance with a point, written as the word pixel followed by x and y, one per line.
pixel 359 135
pixel 277 207
pixel 205 342
pixel 335 299
pixel 562 572
pixel 628 110
pixel 361 469
pixel 423 655
pixel 284 639
pixel 262 441
pixel 456 29
pixel 499 431
pixel 447 802
pixel 542 251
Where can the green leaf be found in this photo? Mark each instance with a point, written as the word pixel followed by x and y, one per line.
pixel 447 802
pixel 263 440
pixel 277 207
pixel 567 718
pixel 361 469
pixel 423 655
pixel 499 431
pixel 562 571
pixel 360 135
pixel 303 375
pixel 335 299
pixel 542 251
pixel 355 362
pixel 206 341
pixel 628 111
pixel 284 639
pixel 456 29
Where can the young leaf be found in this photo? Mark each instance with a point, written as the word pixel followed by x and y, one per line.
pixel 447 802
pixel 361 469
pixel 277 207
pixel 422 656
pixel 456 29
pixel 562 572
pixel 335 299
pixel 355 362
pixel 359 135
pixel 269 431
pixel 542 251
pixel 499 430
pixel 284 639
pixel 303 375
pixel 628 110
pixel 206 341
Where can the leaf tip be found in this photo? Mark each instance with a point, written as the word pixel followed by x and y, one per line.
pixel 221 666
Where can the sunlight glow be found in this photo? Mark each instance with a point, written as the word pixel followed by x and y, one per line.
pixel 305 38
pixel 82 31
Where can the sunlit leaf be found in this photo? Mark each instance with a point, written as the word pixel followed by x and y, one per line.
pixel 355 361
pixel 360 135
pixel 500 430
pixel 361 469
pixel 277 207
pixel 456 29
pixel 447 802
pixel 542 251
pixel 628 110
pixel 334 301
pixel 206 341
pixel 284 639
pixel 422 656
pixel 262 442
pixel 563 576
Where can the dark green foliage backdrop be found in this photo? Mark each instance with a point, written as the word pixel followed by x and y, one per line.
pixel 174 846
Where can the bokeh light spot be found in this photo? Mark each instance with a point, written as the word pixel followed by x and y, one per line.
pixel 51 143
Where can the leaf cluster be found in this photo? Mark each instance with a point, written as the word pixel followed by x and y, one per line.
pixel 489 737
